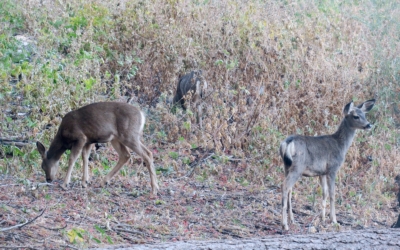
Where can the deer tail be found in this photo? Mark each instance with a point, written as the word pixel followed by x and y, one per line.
pixel 287 150
pixel 142 122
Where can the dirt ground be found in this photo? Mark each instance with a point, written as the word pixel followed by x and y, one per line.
pixel 36 215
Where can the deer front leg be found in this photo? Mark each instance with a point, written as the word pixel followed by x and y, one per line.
pixel 85 157
pixel 331 186
pixel 75 151
pixel 324 186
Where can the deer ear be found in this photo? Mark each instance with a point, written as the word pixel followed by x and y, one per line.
pixel 41 148
pixel 367 106
pixel 348 108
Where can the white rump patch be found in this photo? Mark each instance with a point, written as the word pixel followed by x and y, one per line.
pixel 283 147
pixel 288 149
pixel 142 121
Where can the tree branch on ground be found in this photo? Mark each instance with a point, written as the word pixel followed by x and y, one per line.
pixel 19 226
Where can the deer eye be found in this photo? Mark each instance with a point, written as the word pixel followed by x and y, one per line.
pixel 356 117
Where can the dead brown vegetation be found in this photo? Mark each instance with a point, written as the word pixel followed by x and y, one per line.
pixel 298 62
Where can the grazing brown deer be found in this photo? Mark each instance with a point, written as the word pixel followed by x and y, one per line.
pixel 115 122
pixel 320 156
pixel 195 84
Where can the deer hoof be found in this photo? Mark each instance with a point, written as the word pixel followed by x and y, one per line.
pixel 104 183
pixel 85 184
pixel 154 189
pixel 336 226
pixel 335 223
pixel 64 186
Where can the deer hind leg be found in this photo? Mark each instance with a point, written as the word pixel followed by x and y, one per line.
pixel 291 217
pixel 75 152
pixel 85 157
pixel 290 180
pixel 324 186
pixel 148 158
pixel 137 146
pixel 123 154
pixel 331 187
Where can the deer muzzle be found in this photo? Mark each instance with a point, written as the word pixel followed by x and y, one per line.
pixel 50 175
pixel 368 126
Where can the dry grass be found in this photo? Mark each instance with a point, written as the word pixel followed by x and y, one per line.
pixel 275 68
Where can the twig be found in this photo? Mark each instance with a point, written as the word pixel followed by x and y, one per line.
pixel 128 231
pixel 23 224
pixel 215 134
pixel 236 159
pixel 10 228
pixel 69 246
pixel 198 163
pixel 6 185
pixel 18 247
pixel 253 120
pixel 18 143
pixel 126 237
pixel 120 230
pixel 380 223
pixel 54 229
pixel 45 184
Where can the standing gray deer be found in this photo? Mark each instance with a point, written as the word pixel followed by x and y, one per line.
pixel 320 156
pixel 119 123
pixel 192 83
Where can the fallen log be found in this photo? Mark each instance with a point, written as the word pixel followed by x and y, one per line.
pixel 14 142
pixel 357 239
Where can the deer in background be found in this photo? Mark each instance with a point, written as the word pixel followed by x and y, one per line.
pixel 195 84
pixel 118 123
pixel 320 156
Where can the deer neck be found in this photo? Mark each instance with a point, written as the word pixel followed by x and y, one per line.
pixel 344 135
pixel 56 149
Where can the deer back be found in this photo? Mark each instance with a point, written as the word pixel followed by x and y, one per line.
pixel 100 122
pixel 193 82
pixel 313 156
